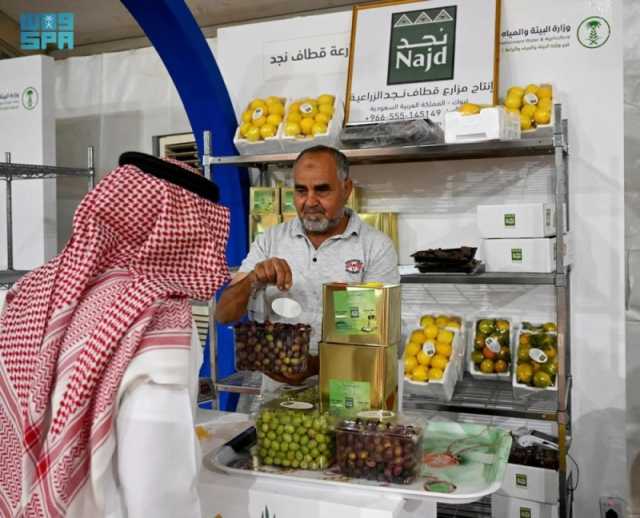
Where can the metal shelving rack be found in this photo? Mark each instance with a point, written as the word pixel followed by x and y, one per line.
pixel 494 398
pixel 10 172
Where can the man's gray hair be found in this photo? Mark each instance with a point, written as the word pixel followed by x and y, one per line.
pixel 342 163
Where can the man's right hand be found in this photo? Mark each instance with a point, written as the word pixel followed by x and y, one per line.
pixel 273 271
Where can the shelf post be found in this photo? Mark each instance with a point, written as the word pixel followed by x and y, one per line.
pixel 91 167
pixel 207 152
pixel 7 159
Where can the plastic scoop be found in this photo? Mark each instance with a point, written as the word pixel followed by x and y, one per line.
pixel 286 307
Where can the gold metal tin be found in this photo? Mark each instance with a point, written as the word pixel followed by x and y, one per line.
pixel 258 223
pixel 264 200
pixel 385 222
pixel 356 378
pixel 365 314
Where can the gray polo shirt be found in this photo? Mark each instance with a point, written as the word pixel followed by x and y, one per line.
pixel 360 254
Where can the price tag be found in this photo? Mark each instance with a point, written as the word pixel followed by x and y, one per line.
pixel 530 98
pixel 257 113
pixel 493 344
pixel 429 349
pixel 306 108
pixel 296 405
pixel 538 356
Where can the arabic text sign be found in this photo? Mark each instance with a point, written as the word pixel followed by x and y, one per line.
pixel 305 56
pixel 421 59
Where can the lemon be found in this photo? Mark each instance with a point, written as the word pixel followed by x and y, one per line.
pixel 273 99
pixel 445 337
pixel 306 125
pixel 545 92
pixel 267 130
pixel 318 128
pixel 545 104
pixel 292 129
pixel 308 109
pixel 435 374
pixel 516 91
pixel 453 324
pixel 410 363
pixel 469 109
pixel 443 350
pixel 528 110
pixel 525 122
pixel 513 101
pixel 257 103
pixel 426 320
pixel 418 336
pixel 244 127
pixel 326 99
pixel 274 119
pixel 259 121
pixel 423 359
pixel 294 107
pixel 276 109
pixel 322 118
pixel 439 362
pixel 441 321
pixel 420 373
pixel 327 109
pixel 412 349
pixel 531 89
pixel 246 116
pixel 253 134
pixel 431 331
pixel 294 117
pixel 542 117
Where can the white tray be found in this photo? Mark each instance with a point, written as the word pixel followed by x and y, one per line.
pixel 226 460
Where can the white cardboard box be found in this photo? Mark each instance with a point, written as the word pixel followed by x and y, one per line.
pixel 520 255
pixel 517 220
pixel 494 123
pixel 507 507
pixel 528 483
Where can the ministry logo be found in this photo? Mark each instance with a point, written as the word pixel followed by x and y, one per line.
pixel 422 46
pixel 594 32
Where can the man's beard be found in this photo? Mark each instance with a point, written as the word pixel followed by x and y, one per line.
pixel 319 223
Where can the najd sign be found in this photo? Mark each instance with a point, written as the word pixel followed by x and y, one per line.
pixel 422 45
pixel 39 30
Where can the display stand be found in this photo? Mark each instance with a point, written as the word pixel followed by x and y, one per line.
pixel 493 398
pixel 9 172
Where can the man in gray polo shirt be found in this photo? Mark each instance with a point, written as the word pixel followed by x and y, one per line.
pixel 326 243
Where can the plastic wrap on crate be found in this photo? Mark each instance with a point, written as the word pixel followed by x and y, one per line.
pixel 505 376
pixel 330 138
pixel 525 392
pixel 400 133
pixel 373 449
pixel 272 347
pixel 444 388
pixel 494 123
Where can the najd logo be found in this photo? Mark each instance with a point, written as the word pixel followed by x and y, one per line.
pixel 516 255
pixel 594 32
pixel 422 46
pixel 509 220
pixel 39 30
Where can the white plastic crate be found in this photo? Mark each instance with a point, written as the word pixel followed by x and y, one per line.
pixel 495 123
pixel 529 483
pixel 507 507
pixel 471 368
pixel 330 138
pixel 522 391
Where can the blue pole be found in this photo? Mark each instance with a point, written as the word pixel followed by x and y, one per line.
pixel 185 53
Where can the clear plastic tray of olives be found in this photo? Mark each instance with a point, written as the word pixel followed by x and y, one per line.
pixel 272 347
pixel 382 451
pixel 294 434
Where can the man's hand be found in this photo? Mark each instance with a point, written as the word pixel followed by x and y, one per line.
pixel 313 368
pixel 273 271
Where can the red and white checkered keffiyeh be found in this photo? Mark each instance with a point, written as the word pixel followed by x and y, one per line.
pixel 67 320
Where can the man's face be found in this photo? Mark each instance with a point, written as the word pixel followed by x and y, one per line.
pixel 320 195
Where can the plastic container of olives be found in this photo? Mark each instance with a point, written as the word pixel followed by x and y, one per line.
pixel 372 449
pixel 272 347
pixel 294 434
pixel 491 344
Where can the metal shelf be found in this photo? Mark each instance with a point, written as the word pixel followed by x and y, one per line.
pixel 31 171
pixel 387 155
pixel 241 383
pixel 9 277
pixel 546 279
pixel 485 397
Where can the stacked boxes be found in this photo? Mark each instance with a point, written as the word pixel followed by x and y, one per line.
pixel 517 238
pixel 361 329
pixel 264 210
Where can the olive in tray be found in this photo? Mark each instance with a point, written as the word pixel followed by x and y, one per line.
pixel 272 347
pixel 373 450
